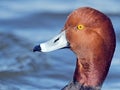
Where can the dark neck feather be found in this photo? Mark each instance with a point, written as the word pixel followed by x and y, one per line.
pixel 78 86
pixel 90 74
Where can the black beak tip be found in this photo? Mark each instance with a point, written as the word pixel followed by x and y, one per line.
pixel 37 48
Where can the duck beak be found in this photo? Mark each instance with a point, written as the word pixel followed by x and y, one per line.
pixel 58 42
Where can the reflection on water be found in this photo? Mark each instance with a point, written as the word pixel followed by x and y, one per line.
pixel 20 68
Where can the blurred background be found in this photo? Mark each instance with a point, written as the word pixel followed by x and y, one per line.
pixel 25 23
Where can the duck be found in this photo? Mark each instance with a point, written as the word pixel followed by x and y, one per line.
pixel 89 33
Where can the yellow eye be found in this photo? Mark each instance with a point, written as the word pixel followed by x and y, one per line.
pixel 80 27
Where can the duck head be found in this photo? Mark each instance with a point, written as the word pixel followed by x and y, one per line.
pixel 90 35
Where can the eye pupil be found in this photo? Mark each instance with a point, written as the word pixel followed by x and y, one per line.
pixel 80 27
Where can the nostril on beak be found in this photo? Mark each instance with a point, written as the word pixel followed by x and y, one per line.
pixel 56 39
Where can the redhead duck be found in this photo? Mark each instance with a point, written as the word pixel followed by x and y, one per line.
pixel 90 35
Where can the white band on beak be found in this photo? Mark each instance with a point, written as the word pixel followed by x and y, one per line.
pixel 55 43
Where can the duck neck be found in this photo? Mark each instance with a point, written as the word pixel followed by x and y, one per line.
pixel 88 74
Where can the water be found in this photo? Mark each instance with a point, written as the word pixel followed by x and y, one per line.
pixel 26 23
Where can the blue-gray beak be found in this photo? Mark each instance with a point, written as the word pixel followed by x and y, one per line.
pixel 58 42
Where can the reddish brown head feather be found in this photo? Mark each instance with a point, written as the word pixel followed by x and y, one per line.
pixel 94 45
